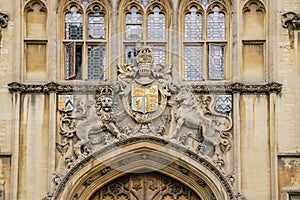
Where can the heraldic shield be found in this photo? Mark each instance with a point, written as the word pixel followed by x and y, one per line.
pixel 144 98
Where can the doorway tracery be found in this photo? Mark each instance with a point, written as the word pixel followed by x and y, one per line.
pixel 145 186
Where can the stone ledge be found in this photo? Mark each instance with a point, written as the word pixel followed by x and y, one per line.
pixel 236 87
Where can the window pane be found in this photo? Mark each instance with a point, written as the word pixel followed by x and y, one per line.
pixel 156 25
pixel 73 58
pixel 96 62
pixel 193 63
pixel 216 25
pixel 159 54
pixel 216 62
pixel 96 24
pixel 130 55
pixel 73 25
pixel 133 24
pixel 70 61
pixel 193 25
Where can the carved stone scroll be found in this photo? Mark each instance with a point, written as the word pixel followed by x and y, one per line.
pixel 3 24
pixel 291 21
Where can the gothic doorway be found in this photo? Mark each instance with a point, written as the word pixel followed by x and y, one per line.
pixel 145 186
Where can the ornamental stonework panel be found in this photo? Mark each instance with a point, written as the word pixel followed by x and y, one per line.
pixel 145 101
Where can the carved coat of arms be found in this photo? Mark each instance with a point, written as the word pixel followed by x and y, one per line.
pixel 65 103
pixel 144 88
pixel 144 99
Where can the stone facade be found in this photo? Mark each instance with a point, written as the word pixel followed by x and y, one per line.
pixel 234 137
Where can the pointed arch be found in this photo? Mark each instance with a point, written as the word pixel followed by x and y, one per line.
pixel 36 19
pixel 146 154
pixel 254 11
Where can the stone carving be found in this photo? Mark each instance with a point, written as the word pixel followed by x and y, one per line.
pixel 291 21
pixel 3 24
pixel 239 196
pixel 144 89
pixel 188 123
pixel 208 131
pixel 145 101
pixel 197 88
pixel 225 181
pixel 104 104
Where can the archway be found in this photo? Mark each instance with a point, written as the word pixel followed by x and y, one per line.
pixel 144 155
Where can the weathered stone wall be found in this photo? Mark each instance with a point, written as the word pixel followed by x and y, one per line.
pixel 266 127
pixel 287 72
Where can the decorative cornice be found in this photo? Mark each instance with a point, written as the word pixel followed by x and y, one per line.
pixel 239 88
pixel 204 89
pixel 289 155
pixel 51 88
pixel 291 21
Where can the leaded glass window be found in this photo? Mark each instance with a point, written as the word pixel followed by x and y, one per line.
pixel 216 61
pixel 73 60
pixel 159 54
pixel 204 48
pixel 73 25
pixel 69 60
pixel 216 25
pixel 156 25
pixel 96 62
pixel 96 24
pixel 85 41
pixel 134 24
pixel 193 63
pixel 193 25
pixel 145 24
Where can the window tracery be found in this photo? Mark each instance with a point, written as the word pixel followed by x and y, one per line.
pixel 205 40
pixel 85 36
pixel 146 23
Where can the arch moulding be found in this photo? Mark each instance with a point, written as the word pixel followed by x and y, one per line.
pixel 145 154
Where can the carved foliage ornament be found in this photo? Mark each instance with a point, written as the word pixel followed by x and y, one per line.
pixel 236 87
pixel 291 21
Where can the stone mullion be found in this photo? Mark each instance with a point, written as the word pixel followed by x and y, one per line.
pixel 15 146
pixel 236 141
pixel 113 44
pixel 174 46
pixel 236 44
pixel 273 145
